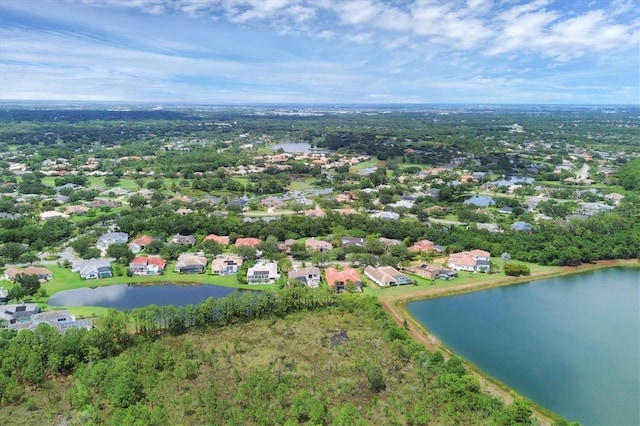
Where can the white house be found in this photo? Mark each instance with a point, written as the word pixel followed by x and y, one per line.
pixel 263 273
pixel 60 320
pixel 111 238
pixel 93 269
pixel 471 261
pixel 225 264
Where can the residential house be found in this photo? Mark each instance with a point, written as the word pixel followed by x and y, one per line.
pixel 386 276
pixel 310 276
pixel 185 240
pixel 222 240
pixel 490 227
pixel 319 245
pixel 388 242
pixel 263 273
pixel 472 261
pixel 251 242
pixel 77 209
pixel 112 238
pixel 273 202
pixel 60 320
pixel 17 313
pixel 338 279
pixel 385 215
pixel 422 246
pixel 52 214
pixel 93 269
pixel 316 212
pixel 147 265
pixel 522 227
pixel 430 272
pixel 614 197
pixel 97 202
pixel 285 246
pixel 190 263
pixel 241 203
pixel 43 274
pixel 352 242
pixel 225 264
pixel 140 243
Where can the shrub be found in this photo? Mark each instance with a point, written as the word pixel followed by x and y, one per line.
pixel 516 269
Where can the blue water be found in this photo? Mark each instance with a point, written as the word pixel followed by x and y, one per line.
pixel 129 296
pixel 480 201
pixel 571 344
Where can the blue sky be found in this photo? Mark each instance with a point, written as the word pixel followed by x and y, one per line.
pixel 321 51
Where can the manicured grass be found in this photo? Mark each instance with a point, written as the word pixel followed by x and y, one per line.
pixel 364 165
pixel 300 184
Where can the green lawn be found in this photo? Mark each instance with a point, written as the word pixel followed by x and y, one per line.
pixel 364 165
pixel 300 184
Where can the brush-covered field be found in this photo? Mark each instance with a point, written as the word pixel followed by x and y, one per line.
pixel 345 364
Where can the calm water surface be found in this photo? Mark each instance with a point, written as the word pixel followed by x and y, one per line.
pixel 129 296
pixel 571 344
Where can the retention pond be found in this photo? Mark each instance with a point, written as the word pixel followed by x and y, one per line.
pixel 571 344
pixel 129 296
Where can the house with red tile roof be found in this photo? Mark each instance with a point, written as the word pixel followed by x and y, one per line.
pixel 319 245
pixel 338 279
pixel 251 242
pixel 422 246
pixel 140 243
pixel 147 265
pixel 220 239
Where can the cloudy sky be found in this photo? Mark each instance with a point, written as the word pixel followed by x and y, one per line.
pixel 321 51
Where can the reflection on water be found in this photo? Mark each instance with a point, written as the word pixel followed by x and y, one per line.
pixel 129 296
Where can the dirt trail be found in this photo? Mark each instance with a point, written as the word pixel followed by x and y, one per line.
pixel 395 305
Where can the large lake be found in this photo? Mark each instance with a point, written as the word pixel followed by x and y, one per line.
pixel 129 296
pixel 571 344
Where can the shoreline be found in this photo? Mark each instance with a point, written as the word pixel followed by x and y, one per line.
pixel 395 305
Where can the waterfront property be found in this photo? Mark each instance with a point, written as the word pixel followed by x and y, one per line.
pixel 225 264
pixel 190 263
pixel 263 273
pixel 471 261
pixel 386 276
pixel 309 276
pixel 43 274
pixel 147 265
pixel 93 269
pixel 338 280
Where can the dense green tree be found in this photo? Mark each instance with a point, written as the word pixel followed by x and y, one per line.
pixel 120 252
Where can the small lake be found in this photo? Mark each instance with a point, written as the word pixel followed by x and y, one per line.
pixel 571 344
pixel 480 201
pixel 129 296
pixel 513 180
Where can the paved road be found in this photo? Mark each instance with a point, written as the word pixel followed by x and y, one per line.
pixel 584 172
